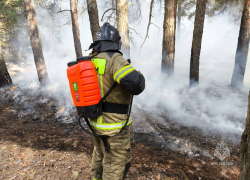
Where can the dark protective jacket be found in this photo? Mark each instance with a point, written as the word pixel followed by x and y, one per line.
pixel 112 67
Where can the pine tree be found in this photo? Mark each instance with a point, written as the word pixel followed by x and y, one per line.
pixel 93 17
pixel 75 28
pixel 35 41
pixel 242 48
pixel 122 25
pixel 168 45
pixel 197 39
pixel 5 78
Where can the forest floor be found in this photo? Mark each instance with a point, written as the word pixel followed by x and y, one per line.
pixel 36 144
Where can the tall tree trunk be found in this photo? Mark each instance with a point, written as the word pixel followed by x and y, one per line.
pixel 122 25
pixel 245 150
pixel 36 42
pixel 5 78
pixel 242 48
pixel 197 39
pixel 179 19
pixel 168 45
pixel 93 17
pixel 75 28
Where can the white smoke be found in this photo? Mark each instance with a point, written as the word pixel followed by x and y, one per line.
pixel 212 105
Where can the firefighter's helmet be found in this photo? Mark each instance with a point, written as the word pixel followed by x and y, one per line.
pixel 109 33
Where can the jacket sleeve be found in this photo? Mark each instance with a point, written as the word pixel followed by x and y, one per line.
pixel 126 75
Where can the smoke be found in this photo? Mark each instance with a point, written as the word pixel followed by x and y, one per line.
pixel 212 105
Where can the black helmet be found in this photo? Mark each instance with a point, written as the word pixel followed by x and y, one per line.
pixel 109 33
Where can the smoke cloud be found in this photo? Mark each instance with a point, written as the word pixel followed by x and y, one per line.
pixel 212 105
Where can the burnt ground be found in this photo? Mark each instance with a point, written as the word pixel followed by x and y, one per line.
pixel 36 143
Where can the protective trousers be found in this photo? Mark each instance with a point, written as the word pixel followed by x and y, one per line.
pixel 113 165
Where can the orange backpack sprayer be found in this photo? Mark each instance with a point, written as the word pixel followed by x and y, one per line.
pixel 84 87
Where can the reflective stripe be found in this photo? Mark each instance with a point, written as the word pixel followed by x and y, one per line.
pixel 110 126
pixel 100 118
pixel 100 65
pixel 96 179
pixel 123 72
pixel 100 84
pixel 102 93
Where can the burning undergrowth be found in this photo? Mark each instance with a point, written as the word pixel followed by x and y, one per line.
pixel 38 119
pixel 176 127
pixel 168 134
pixel 211 107
pixel 38 104
pixel 167 126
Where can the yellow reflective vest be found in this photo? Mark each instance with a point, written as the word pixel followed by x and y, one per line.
pixel 110 70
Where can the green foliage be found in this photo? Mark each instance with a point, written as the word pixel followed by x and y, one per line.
pixel 220 6
pixel 8 57
pixel 9 12
pixel 214 7
pixel 192 14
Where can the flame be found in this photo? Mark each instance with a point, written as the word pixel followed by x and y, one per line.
pixel 62 109
pixel 13 88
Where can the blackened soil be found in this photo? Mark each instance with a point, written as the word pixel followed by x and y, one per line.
pixel 35 143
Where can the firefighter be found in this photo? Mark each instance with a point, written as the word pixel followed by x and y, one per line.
pixel 114 163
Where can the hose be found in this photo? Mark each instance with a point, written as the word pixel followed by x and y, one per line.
pixel 104 136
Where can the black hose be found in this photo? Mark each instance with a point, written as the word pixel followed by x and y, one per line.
pixel 87 131
pixel 104 136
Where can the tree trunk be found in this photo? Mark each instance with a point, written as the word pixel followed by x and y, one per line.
pixel 5 78
pixel 179 19
pixel 197 39
pixel 93 17
pixel 122 25
pixel 75 28
pixel 35 41
pixel 242 48
pixel 168 45
pixel 245 150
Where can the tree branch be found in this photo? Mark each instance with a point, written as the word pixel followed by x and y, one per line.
pixel 64 24
pixel 156 26
pixel 107 11
pixel 136 32
pixel 149 22
pixel 60 12
pixel 58 28
pixel 130 4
